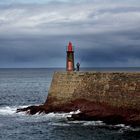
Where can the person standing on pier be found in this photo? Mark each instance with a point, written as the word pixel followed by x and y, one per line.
pixel 78 66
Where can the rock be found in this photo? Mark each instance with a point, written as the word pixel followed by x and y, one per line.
pixel 34 109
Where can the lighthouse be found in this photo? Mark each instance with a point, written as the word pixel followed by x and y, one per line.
pixel 70 58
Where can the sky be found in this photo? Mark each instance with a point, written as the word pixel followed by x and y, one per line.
pixel 35 33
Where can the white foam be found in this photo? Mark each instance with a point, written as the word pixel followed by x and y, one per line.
pixel 7 110
pixel 62 115
pixel 57 115
pixel 53 116
pixel 75 112
pixel 135 129
pixel 128 128
pixel 10 110
pixel 58 124
pixel 121 125
pixel 94 123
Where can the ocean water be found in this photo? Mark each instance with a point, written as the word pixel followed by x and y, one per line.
pixel 24 87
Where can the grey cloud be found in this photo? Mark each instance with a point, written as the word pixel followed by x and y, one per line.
pixel 104 34
pixel 68 19
pixel 34 51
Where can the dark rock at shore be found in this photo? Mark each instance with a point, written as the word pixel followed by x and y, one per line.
pixel 90 111
pixel 32 109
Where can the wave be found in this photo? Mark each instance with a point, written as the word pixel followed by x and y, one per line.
pixel 60 119
pixel 94 123
pixel 58 124
pixel 9 110
pixel 128 129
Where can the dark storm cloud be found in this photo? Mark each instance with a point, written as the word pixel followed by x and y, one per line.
pixel 112 49
pixel 108 57
pixel 30 50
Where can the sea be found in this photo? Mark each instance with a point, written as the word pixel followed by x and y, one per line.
pixel 24 87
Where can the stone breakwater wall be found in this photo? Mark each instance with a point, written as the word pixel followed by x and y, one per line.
pixel 116 89
pixel 112 97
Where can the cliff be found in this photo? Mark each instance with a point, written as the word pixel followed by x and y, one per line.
pixel 113 97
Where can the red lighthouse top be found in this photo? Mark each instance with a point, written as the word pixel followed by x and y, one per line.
pixel 70 47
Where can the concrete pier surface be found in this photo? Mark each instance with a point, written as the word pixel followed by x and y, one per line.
pixel 113 97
